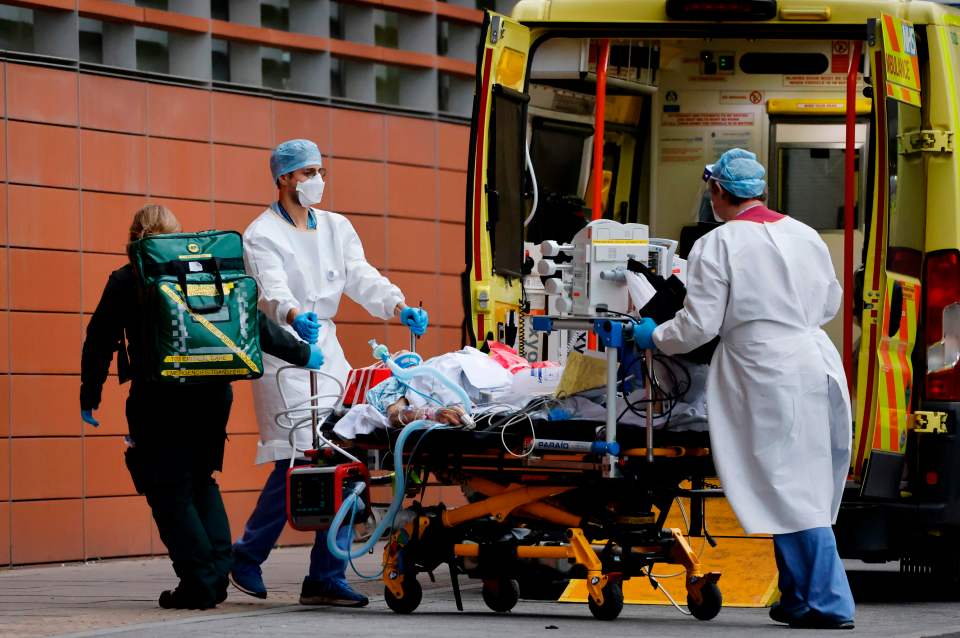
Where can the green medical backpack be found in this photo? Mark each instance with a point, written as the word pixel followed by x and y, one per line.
pixel 200 307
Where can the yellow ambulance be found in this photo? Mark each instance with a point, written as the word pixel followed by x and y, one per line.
pixel 590 108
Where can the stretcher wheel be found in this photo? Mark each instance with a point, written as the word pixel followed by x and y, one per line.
pixel 412 595
pixel 501 595
pixel 612 602
pixel 710 606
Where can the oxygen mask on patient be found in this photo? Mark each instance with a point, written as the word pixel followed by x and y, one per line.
pixel 415 368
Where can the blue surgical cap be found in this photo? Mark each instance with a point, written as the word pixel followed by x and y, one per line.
pixel 292 155
pixel 738 172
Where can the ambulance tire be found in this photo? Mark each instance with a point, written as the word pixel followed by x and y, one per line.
pixel 612 602
pixel 501 595
pixel 412 596
pixel 709 606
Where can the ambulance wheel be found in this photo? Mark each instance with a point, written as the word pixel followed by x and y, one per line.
pixel 501 595
pixel 412 595
pixel 612 602
pixel 709 607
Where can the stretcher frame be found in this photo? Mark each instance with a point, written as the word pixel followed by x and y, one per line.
pixel 529 493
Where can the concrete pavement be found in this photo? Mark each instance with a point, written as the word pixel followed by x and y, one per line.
pixel 118 598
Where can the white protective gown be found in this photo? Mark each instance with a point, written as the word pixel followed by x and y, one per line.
pixel 777 398
pixel 308 270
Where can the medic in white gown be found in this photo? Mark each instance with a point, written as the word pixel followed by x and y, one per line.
pixel 303 270
pixel 304 260
pixel 777 401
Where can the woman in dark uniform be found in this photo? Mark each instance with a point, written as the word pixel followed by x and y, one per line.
pixel 177 432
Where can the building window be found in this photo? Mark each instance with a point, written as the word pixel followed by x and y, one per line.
pixel 153 50
pixel 220 10
pixel 336 21
pixel 275 15
pixel 336 77
pixel 454 94
pixel 91 41
pixel 443 37
pixel 153 4
pixel 275 66
pixel 220 52
pixel 388 84
pixel 443 92
pixel 16 28
pixel 386 28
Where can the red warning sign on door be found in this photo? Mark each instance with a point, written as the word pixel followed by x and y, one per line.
pixel 840 58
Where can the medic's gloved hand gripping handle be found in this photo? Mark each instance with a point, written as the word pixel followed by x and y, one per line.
pixel 643 333
pixel 416 319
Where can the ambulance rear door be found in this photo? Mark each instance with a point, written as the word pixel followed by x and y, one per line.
pixel 496 202
pixel 941 338
pixel 895 245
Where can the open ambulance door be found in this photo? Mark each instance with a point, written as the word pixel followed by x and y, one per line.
pixel 941 336
pixel 496 203
pixel 891 295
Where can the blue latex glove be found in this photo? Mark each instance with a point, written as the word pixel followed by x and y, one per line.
pixel 316 358
pixel 87 416
pixel 643 333
pixel 307 325
pixel 416 319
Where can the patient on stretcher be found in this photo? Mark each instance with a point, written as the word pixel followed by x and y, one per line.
pixel 491 383
pixel 392 404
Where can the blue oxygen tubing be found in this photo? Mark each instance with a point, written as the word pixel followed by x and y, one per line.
pixel 404 367
pixel 353 503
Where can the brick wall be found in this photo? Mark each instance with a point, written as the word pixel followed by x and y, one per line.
pixel 80 153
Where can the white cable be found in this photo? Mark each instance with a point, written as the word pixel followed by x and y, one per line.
pixel 698 553
pixel 533 179
pixel 533 434
pixel 656 583
pixel 283 396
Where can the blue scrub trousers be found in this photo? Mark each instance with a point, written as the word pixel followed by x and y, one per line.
pixel 812 575
pixel 265 524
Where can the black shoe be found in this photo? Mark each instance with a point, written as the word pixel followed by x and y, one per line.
pixel 177 599
pixel 777 614
pixel 815 620
pixel 221 596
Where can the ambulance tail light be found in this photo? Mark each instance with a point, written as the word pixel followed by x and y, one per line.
pixel 721 10
pixel 942 319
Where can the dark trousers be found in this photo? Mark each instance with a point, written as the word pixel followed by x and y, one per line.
pixel 178 435
pixel 267 521
pixel 193 525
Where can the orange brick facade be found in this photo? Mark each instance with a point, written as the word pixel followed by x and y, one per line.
pixel 80 153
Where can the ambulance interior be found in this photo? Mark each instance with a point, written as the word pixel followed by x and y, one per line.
pixel 673 106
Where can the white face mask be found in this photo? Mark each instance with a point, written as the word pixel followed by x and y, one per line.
pixel 714 211
pixel 310 192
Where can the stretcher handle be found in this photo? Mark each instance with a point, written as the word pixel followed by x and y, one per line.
pixel 314 406
pixel 413 337
pixel 648 354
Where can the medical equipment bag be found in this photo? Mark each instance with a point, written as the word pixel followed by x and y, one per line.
pixel 200 307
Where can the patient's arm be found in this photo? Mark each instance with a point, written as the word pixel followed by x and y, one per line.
pixel 400 414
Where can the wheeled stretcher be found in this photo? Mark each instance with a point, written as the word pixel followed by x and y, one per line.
pixel 527 517
pixel 546 504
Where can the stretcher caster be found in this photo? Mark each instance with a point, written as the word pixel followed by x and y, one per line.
pixel 412 595
pixel 709 606
pixel 501 595
pixel 612 602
